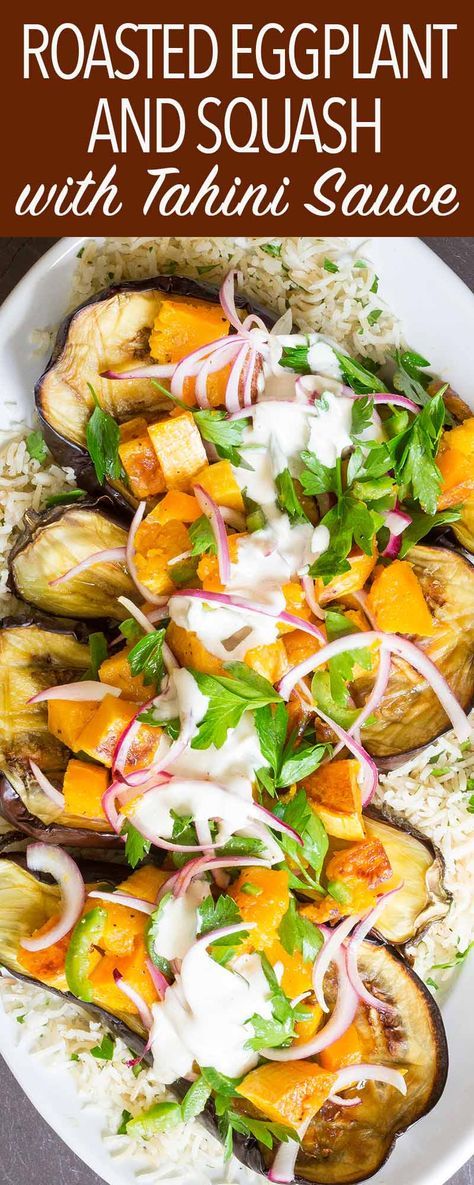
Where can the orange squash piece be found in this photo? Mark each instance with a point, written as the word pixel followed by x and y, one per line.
pixel 132 428
pixel 190 652
pixel 361 566
pixel 184 508
pixel 457 471
pixel 116 672
pixel 208 567
pixel 180 451
pixel 336 786
pixel 142 467
pixel 46 965
pixel 183 325
pixel 83 788
pixel 133 968
pixel 216 388
pixel 268 908
pixel 396 601
pixel 66 719
pixel 153 568
pixel 298 646
pixel 297 974
pixel 295 602
pixel 366 861
pixel 218 480
pixel 124 924
pixel 347 1051
pixel 269 661
pixel 290 1093
pixel 99 737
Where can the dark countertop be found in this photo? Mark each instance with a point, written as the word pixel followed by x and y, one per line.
pixel 29 1150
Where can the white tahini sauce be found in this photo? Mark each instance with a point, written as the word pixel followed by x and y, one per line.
pixel 204 1016
pixel 177 925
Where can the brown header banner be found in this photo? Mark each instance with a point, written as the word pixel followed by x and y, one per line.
pixel 320 119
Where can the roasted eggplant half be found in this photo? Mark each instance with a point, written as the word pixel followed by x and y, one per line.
pixel 342 1144
pixel 34 655
pixel 419 865
pixel 54 541
pixel 111 330
pixel 410 714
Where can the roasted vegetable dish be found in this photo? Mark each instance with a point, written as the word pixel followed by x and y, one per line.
pixel 259 603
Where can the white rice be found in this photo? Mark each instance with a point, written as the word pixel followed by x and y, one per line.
pixel 337 304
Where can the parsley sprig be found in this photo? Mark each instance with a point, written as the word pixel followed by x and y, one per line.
pixel 306 860
pixel 146 658
pixel 290 759
pixel 102 441
pixel 215 427
pixel 231 695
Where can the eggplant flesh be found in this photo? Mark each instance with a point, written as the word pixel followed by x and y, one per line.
pixel 410 715
pixel 422 898
pixel 110 330
pixel 342 1145
pixel 33 657
pixel 54 541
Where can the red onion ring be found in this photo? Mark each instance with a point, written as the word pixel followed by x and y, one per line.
pixel 227 299
pixel 131 565
pixel 369 768
pixel 358 936
pixel 125 740
pixel 381 398
pixel 47 787
pixel 48 858
pixel 212 512
pixel 235 602
pixel 143 619
pixel 364 1072
pixel 232 400
pixel 372 701
pixel 339 1102
pixel 202 864
pixel 160 982
pixel 111 555
pixel 85 690
pixel 328 954
pixel 396 522
pixel 412 654
pixel 342 1016
pixel 308 587
pixel 125 899
pixel 144 1011
pixel 188 367
pixel 282 1171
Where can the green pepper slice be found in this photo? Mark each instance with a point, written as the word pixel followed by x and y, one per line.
pixel 85 935
pixel 158 1118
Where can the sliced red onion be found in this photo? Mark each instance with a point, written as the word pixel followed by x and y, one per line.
pixel 41 857
pixel 382 397
pixel 116 790
pixel 131 565
pixel 126 899
pixel 87 689
pixel 361 597
pixel 339 1102
pixel 140 617
pixel 301 391
pixel 232 393
pixel 171 663
pixel 342 1016
pixel 159 980
pixel 271 820
pixel 227 299
pixel 144 1011
pixel 189 366
pixel 249 374
pixel 235 602
pixel 365 1072
pixel 204 864
pixel 396 522
pixel 47 787
pixel 372 701
pixel 125 741
pixel 158 614
pixel 327 955
pixel 411 654
pixel 153 370
pixel 217 360
pixel 178 559
pixel 368 766
pixel 360 933
pixel 282 1171
pixel 307 585
pixel 212 512
pixel 111 555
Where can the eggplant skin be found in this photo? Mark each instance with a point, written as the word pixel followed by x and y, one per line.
pixel 342 1146
pixel 410 715
pixel 63 400
pixel 422 898
pixel 53 541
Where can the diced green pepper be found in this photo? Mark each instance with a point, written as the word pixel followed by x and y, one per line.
pixel 158 1118
pixel 87 932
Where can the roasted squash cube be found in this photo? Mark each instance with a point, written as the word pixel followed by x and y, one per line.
pixel 133 968
pixel 269 661
pixel 396 601
pixel 366 861
pixel 180 451
pixel 67 719
pixel 142 466
pixel 124 924
pixel 116 672
pixel 348 1050
pixel 99 737
pixel 218 480
pixel 46 965
pixel 266 905
pixel 190 652
pixel 170 541
pixel 132 428
pixel 83 788
pixel 177 506
pixel 290 1093
pixel 361 565
pixel 183 325
pixel 336 786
